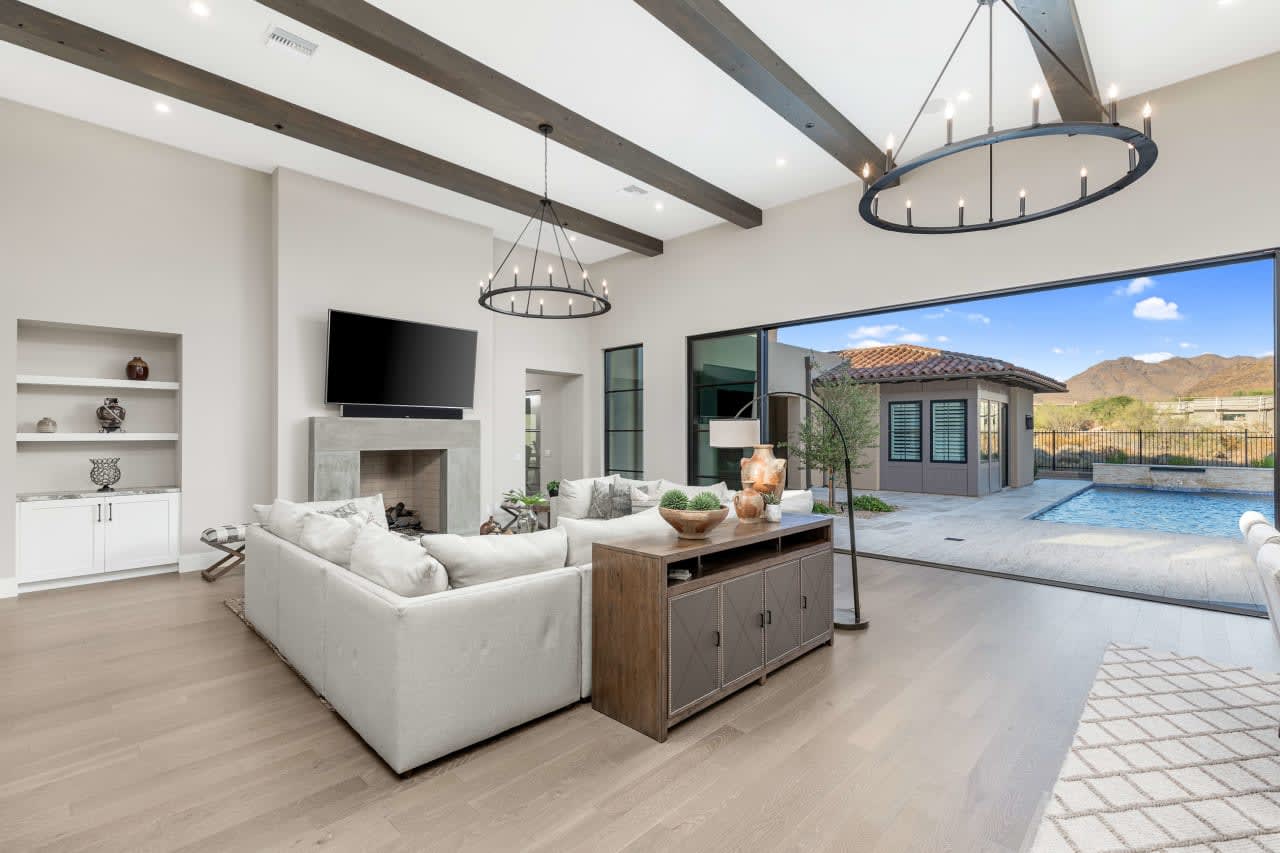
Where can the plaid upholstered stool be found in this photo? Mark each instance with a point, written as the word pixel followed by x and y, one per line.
pixel 224 538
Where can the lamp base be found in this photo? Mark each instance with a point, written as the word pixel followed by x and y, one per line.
pixel 846 620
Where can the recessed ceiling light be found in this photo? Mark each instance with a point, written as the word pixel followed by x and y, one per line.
pixel 963 96
pixel 780 162
pixel 1225 2
pixel 199 8
pixel 573 238
pixel 162 107
pixel 657 205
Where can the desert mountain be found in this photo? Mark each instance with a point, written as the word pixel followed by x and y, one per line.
pixel 1201 376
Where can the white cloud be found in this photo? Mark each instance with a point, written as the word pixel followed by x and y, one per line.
pixel 1059 351
pixel 938 315
pixel 913 338
pixel 875 331
pixel 1153 357
pixel 1186 345
pixel 1155 308
pixel 979 318
pixel 1136 286
pixel 868 344
pixel 1266 354
pixel 942 339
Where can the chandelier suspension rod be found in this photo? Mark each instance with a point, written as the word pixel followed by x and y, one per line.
pixel 903 144
pixel 586 280
pixel 1035 35
pixel 507 256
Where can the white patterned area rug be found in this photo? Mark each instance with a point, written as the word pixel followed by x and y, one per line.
pixel 1172 753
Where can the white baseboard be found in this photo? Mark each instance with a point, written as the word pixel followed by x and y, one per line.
pixel 8 587
pixel 83 580
pixel 196 561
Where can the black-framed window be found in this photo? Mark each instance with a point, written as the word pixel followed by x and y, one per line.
pixel 533 442
pixel 948 431
pixel 723 377
pixel 905 441
pixel 624 411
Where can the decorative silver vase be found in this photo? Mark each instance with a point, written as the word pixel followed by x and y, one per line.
pixel 526 520
pixel 105 473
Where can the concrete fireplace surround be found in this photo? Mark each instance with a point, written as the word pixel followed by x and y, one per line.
pixel 334 463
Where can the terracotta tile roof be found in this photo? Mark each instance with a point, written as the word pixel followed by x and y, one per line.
pixel 907 362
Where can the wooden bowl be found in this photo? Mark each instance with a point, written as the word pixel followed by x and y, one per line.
pixel 693 524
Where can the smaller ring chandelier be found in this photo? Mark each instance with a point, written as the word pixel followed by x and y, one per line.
pixel 1142 149
pixel 549 300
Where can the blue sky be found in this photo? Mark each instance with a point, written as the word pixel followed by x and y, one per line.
pixel 1225 310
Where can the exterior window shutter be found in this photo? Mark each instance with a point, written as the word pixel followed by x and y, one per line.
pixel 904 432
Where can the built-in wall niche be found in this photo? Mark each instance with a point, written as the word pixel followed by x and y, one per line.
pixel 63 373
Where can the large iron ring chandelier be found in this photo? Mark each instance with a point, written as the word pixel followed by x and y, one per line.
pixel 572 298
pixel 1141 148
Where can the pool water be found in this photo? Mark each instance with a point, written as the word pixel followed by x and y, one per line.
pixel 1199 513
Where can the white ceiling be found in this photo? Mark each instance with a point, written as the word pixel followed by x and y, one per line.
pixel 613 62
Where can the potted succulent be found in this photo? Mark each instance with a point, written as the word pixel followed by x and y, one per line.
pixel 772 507
pixel 692 518
pixel 553 488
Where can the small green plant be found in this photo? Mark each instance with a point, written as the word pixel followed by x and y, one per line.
pixel 1268 461
pixel 1178 459
pixel 704 502
pixel 870 503
pixel 824 509
pixel 553 488
pixel 520 496
pixel 674 499
pixel 771 498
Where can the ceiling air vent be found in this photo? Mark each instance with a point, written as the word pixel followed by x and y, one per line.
pixel 635 190
pixel 284 40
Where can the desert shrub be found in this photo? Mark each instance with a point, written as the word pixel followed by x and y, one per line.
pixel 1116 457
pixel 870 503
pixel 674 499
pixel 824 509
pixel 704 501
pixel 1179 459
pixel 1268 461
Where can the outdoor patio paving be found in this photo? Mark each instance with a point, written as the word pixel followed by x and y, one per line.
pixel 996 535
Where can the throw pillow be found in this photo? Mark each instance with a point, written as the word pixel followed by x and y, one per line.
pixel 601 505
pixel 575 496
pixel 330 537
pixel 262 512
pixel 285 519
pixel 640 496
pixel 644 485
pixel 472 560
pixel 585 532
pixel 347 510
pixel 396 563
pixel 619 501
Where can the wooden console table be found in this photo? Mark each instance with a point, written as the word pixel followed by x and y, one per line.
pixel 662 650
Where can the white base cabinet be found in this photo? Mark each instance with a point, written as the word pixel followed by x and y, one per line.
pixel 86 536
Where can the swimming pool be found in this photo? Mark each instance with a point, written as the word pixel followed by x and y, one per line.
pixel 1199 513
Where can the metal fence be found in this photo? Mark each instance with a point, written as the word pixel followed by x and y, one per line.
pixel 1078 450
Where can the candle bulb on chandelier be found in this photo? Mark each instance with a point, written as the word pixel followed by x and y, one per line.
pixel 951 115
pixel 888 154
pixel 908 213
pixel 550 278
pixel 1022 202
pixel 1146 119
pixel 541 310
pixel 1112 94
pixel 515 276
pixel 571 305
pixel 605 284
pixel 1084 182
pixel 1035 104
pixel 960 209
pixel 1133 157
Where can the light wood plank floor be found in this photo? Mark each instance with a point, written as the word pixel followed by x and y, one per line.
pixel 142 715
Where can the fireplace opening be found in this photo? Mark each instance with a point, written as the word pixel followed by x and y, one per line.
pixel 410 484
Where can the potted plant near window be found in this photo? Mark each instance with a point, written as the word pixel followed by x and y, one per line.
pixel 553 488
pixel 692 519
pixel 772 507
pixel 524 503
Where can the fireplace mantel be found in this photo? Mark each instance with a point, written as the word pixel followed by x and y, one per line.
pixel 336 443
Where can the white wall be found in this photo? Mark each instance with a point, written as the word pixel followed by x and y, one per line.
pixel 101 228
pixel 1215 190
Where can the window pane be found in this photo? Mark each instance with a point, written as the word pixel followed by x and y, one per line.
pixel 947 421
pixel 625 409
pixel 623 369
pixel 904 432
pixel 723 401
pixel 727 359
pixel 626 451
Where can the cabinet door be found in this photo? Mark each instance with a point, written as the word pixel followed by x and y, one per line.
pixel 693 650
pixel 140 531
pixel 742 627
pixel 816 597
pixel 59 539
pixel 781 610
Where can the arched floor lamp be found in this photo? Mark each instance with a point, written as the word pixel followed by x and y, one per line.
pixel 739 432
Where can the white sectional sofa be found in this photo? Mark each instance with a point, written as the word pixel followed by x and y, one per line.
pixel 1263 541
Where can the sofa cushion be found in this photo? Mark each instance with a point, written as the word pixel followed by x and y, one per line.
pixel 1249 519
pixel 585 532
pixel 472 560
pixel 1259 535
pixel 285 518
pixel 331 537
pixel 396 563
pixel 649 487
pixel 575 496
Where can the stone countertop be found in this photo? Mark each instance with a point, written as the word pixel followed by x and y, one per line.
pixel 25 497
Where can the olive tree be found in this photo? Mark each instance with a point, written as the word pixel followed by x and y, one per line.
pixel 856 406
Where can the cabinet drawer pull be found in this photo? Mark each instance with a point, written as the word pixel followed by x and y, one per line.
pixel 99 513
pixel 111 511
pixel 762 620
pixel 717 639
pixel 768 617
pixel 804 602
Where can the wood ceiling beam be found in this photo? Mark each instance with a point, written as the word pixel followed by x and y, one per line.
pixel 384 36
pixel 49 34
pixel 1058 23
pixel 714 31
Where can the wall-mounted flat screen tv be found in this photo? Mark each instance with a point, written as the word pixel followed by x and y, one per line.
pixel 378 361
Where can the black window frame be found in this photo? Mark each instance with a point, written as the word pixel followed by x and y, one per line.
pixel 759 409
pixel 918 405
pixel 609 429
pixel 964 431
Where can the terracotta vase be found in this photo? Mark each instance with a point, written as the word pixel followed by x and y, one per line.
pixel 137 369
pixel 749 505
pixel 763 471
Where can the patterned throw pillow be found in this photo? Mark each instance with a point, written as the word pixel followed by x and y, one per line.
pixel 345 511
pixel 620 501
pixel 601 504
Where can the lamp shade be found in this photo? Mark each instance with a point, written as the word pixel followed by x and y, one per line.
pixel 735 432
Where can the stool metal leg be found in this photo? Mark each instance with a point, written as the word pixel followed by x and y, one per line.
pixel 233 558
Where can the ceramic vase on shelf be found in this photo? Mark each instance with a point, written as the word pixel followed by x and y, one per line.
pixel 749 504
pixel 46 425
pixel 764 472
pixel 111 416
pixel 137 369
pixel 105 473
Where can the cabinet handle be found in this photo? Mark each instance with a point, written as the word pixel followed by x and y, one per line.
pixel 99 513
pixel 761 620
pixel 768 617
pixel 804 602
pixel 717 639
pixel 111 511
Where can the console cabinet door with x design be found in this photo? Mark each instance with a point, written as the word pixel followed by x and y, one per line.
pixel 781 610
pixel 741 609
pixel 693 664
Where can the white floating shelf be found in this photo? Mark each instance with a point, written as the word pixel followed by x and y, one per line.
pixel 96 436
pixel 92 382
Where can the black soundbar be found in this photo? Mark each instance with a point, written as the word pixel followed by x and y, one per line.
pixel 428 413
